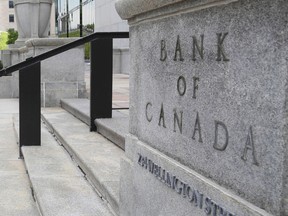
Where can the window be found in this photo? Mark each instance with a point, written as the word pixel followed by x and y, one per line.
pixel 11 4
pixel 11 18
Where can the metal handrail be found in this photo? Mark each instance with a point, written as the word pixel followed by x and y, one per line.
pixel 101 70
pixel 60 49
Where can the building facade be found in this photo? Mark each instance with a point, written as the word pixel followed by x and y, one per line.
pixel 73 18
pixel 7 15
pixel 108 20
pixel 100 16
pixel 8 18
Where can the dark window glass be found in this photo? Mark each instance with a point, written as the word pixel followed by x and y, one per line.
pixel 11 4
pixel 11 18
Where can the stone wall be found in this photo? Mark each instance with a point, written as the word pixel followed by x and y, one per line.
pixel 62 76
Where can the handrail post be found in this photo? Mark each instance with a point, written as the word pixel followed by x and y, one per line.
pixel 30 105
pixel 101 80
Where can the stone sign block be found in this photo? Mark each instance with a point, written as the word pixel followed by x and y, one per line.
pixel 208 106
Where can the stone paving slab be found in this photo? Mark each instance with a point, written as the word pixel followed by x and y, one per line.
pixel 70 196
pixel 8 106
pixel 49 159
pixel 39 163
pixel 15 195
pixel 12 167
pixel 9 153
pixel 7 137
pixel 59 187
pixel 15 192
pixel 97 157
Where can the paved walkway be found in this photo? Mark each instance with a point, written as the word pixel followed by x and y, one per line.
pixel 15 192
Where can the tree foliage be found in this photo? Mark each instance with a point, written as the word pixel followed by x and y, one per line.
pixel 90 27
pixel 12 36
pixel 3 40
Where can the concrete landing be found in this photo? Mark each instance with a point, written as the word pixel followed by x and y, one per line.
pixel 97 156
pixel 15 192
pixel 114 129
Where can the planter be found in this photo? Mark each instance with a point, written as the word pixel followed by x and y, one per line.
pixel 33 18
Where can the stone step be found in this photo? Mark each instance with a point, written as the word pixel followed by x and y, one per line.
pixel 59 186
pixel 114 129
pixel 97 157
pixel 79 108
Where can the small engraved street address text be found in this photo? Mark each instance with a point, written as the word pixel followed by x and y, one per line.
pixel 195 197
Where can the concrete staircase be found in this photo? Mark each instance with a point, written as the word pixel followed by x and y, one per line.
pixel 76 172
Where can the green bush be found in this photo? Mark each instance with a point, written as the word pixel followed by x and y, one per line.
pixel 12 36
pixel 1 65
pixel 71 34
pixel 90 27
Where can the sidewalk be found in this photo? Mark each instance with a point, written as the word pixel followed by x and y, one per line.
pixel 15 192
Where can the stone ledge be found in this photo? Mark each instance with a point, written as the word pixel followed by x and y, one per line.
pixel 48 41
pixel 16 2
pixel 128 9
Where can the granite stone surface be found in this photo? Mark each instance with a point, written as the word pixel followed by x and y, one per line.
pixel 62 76
pixel 9 86
pixel 208 88
pixel 59 186
pixel 189 193
pixel 53 92
pixel 138 10
pixel 15 190
pixel 98 157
